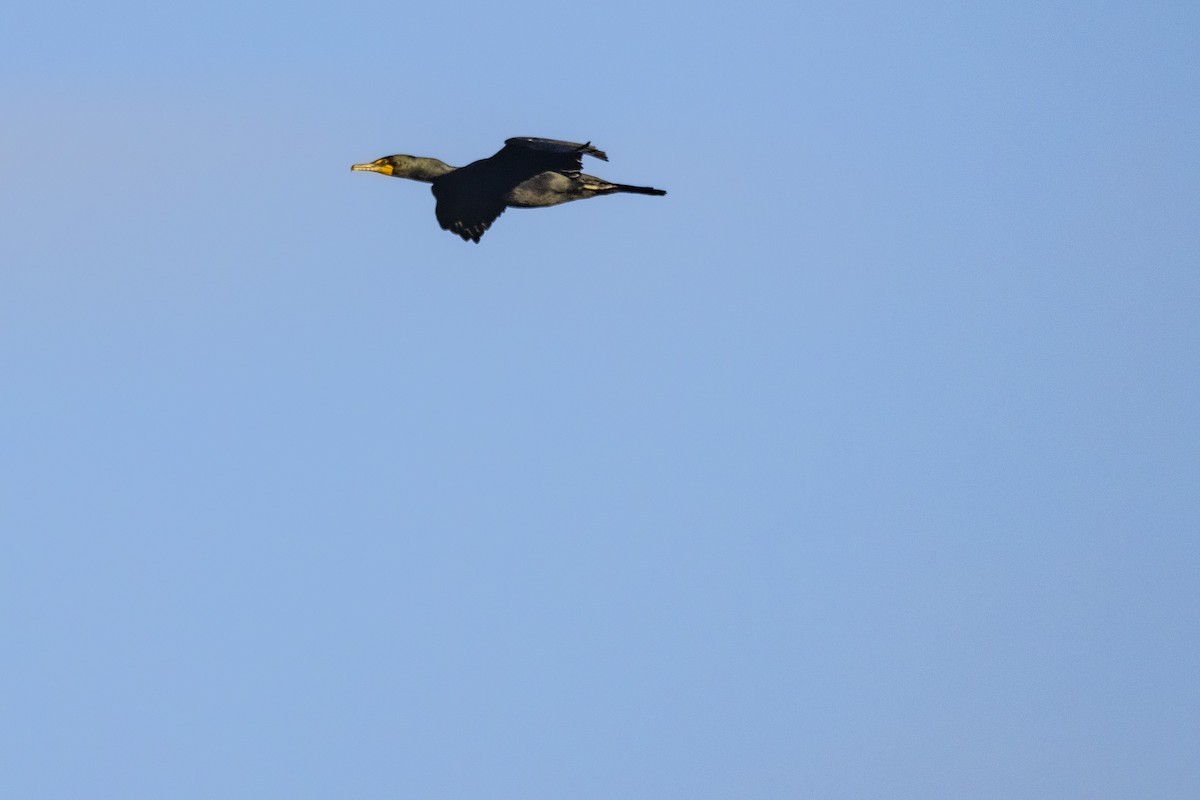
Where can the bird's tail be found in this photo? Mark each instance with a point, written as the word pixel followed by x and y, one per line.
pixel 621 187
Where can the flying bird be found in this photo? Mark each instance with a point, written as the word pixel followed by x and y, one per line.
pixel 527 173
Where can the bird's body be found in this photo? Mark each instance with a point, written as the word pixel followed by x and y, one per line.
pixel 527 173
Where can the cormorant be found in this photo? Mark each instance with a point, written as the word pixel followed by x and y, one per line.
pixel 527 173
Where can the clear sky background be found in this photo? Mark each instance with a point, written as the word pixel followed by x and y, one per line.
pixel 865 463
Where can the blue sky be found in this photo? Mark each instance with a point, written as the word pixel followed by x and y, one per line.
pixel 863 464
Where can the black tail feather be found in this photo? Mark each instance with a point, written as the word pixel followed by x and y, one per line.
pixel 621 187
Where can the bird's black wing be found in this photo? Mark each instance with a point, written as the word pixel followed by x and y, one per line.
pixel 554 149
pixel 521 159
pixel 463 211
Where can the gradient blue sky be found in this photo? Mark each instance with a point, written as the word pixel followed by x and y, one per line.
pixel 866 463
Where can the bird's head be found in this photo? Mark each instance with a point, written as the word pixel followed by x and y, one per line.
pixel 384 166
pixel 401 166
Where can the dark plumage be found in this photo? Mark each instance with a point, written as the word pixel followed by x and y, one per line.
pixel 527 173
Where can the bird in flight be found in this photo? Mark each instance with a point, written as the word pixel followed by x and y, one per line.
pixel 527 173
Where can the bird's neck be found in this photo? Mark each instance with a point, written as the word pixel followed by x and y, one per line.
pixel 425 169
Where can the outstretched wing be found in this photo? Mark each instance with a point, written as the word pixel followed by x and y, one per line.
pixel 466 213
pixel 554 149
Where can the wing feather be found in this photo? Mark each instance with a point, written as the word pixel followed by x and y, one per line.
pixel 557 146
pixel 466 214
